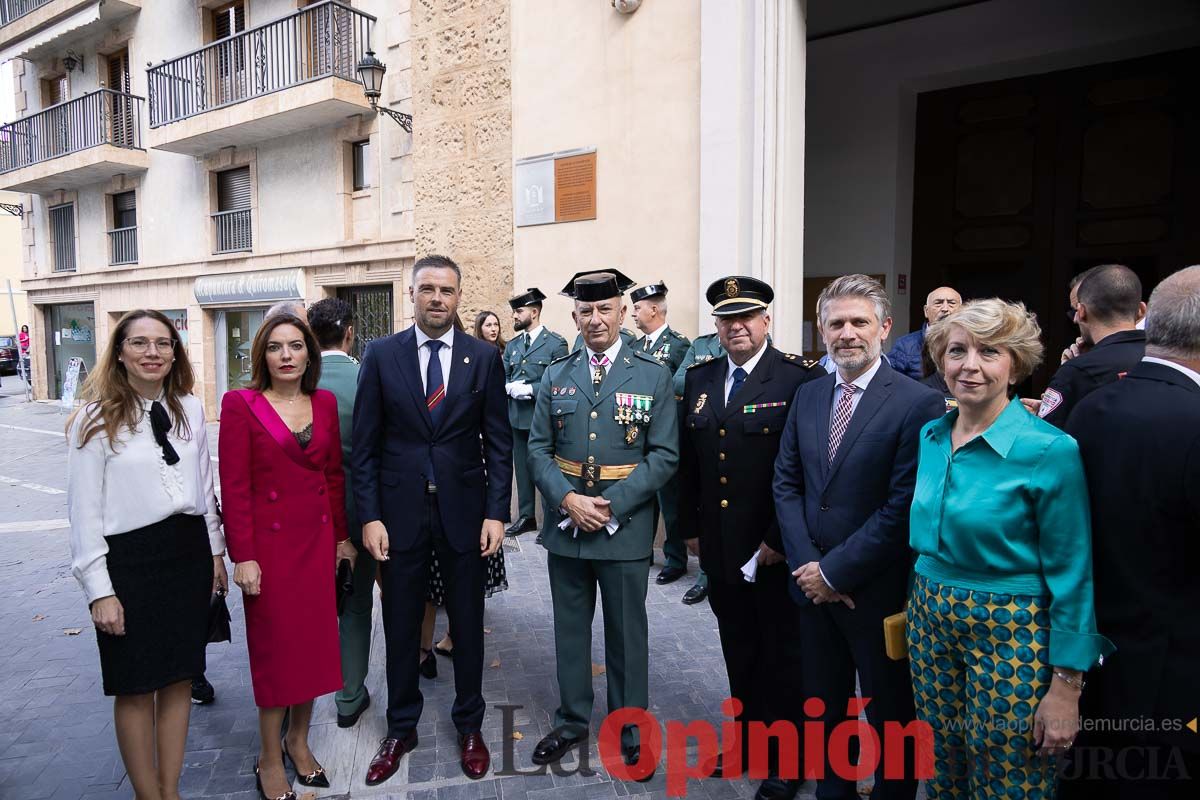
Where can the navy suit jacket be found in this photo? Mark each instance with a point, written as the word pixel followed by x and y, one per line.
pixel 852 515
pixel 394 439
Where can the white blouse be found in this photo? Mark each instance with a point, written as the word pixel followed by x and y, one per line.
pixel 116 491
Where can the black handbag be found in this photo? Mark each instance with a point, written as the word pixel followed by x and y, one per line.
pixel 344 584
pixel 218 618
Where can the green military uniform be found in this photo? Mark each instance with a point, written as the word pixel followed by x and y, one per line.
pixel 669 350
pixel 525 362
pixel 627 336
pixel 339 374
pixel 619 440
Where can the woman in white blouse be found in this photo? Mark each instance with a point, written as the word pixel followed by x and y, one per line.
pixel 146 540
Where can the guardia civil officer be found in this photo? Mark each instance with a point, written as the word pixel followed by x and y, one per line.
pixel 604 440
pixel 668 347
pixel 525 359
pixel 735 409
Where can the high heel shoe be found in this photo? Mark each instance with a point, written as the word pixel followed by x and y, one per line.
pixel 315 778
pixel 258 785
pixel 428 664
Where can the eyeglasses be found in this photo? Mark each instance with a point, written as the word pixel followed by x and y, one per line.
pixel 140 344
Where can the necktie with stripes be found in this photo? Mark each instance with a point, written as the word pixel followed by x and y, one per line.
pixel 435 386
pixel 841 418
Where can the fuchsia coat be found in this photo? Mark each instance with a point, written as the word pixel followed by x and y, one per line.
pixel 283 506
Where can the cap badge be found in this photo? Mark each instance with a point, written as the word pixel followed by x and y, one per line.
pixel 731 287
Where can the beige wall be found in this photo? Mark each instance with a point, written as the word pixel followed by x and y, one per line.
pixel 629 86
pixel 462 149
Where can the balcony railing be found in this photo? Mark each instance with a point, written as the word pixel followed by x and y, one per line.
pixel 320 41
pixel 15 9
pixel 100 117
pixel 233 231
pixel 122 246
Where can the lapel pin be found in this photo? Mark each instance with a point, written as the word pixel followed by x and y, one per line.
pixel 466 359
pixel 627 362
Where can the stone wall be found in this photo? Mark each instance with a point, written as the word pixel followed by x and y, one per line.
pixel 462 144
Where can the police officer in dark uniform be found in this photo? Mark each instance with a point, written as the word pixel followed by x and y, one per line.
pixel 1106 305
pixel 668 347
pixel 526 357
pixel 735 409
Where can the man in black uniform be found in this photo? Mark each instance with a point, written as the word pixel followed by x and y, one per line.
pixel 735 408
pixel 1106 305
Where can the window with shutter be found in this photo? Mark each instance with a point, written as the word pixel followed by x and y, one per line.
pixel 124 210
pixel 233 189
pixel 62 230
pixel 121 108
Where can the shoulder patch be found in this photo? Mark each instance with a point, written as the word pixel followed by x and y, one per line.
pixel 701 361
pixel 800 361
pixel 1051 399
pixel 678 335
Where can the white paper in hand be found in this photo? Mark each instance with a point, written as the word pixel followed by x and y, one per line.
pixel 750 568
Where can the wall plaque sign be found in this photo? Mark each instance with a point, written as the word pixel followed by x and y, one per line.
pixel 555 187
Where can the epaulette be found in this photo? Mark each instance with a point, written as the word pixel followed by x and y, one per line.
pixel 702 361
pixel 558 336
pixel 564 358
pixel 678 335
pixel 648 357
pixel 800 361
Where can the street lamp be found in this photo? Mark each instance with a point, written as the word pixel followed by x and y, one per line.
pixel 370 73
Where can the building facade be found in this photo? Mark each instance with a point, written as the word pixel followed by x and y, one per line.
pixel 206 159
pixel 210 157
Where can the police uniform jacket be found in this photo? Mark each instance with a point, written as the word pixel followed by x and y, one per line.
pixel 527 365
pixel 575 431
pixel 727 457
pixel 626 336
pixel 1111 358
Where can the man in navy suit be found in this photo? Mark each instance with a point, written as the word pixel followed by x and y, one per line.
pixel 1140 441
pixel 432 461
pixel 844 481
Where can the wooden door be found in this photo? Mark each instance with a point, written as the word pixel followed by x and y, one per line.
pixel 1021 184
pixel 227 58
pixel 120 108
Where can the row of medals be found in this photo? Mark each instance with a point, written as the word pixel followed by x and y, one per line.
pixel 632 411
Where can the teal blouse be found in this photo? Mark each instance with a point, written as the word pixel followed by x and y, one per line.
pixel 1009 513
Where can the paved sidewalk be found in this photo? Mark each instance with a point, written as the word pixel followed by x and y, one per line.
pixel 56 732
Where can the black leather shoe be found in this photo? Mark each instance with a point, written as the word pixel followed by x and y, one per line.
pixel 349 720
pixel 428 664
pixel 631 755
pixel 554 746
pixel 316 778
pixel 538 540
pixel 695 594
pixel 670 575
pixel 777 789
pixel 203 692
pixel 521 525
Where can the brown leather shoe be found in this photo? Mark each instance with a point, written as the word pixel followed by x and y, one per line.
pixel 475 756
pixel 387 758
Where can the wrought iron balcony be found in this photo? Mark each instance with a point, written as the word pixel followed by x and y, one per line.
pixel 233 231
pixel 323 42
pixel 122 246
pixel 76 143
pixel 15 9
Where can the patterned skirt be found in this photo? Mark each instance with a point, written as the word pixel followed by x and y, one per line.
pixel 496 579
pixel 979 669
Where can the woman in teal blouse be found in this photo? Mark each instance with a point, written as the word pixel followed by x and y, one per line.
pixel 1001 625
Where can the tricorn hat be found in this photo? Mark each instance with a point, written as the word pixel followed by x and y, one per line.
pixel 530 297
pixel 592 286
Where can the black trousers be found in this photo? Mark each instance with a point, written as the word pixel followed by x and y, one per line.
pixel 405 580
pixel 838 642
pixel 760 639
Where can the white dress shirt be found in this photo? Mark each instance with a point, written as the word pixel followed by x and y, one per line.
pixel 111 491
pixel 748 366
pixel 610 352
pixel 652 338
pixel 533 334
pixel 1175 365
pixel 860 384
pixel 447 340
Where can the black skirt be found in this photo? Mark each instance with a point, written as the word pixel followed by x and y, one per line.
pixel 162 574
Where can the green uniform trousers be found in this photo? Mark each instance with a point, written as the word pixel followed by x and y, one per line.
pixel 675 552
pixel 354 628
pixel 573 583
pixel 526 502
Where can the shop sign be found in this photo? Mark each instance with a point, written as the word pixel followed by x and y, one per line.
pixel 250 287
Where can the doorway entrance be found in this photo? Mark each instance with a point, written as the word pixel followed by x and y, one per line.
pixel 1022 183
pixel 372 313
pixel 235 329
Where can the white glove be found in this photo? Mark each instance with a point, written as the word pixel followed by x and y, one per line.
pixel 522 391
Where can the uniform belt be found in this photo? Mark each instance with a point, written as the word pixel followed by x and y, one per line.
pixel 595 472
